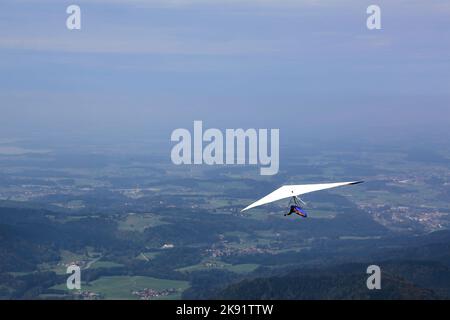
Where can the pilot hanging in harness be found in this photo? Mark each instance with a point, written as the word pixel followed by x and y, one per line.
pixel 296 208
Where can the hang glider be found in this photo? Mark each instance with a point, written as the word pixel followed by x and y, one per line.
pixel 293 191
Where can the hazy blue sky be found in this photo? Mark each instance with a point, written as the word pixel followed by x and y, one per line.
pixel 142 66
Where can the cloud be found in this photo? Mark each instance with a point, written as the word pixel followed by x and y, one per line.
pixel 296 33
pixel 137 45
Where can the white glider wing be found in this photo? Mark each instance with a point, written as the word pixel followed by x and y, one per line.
pixel 296 190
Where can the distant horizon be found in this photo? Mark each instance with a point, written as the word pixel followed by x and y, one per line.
pixel 140 69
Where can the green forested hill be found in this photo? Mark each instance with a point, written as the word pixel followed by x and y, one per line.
pixel 344 282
